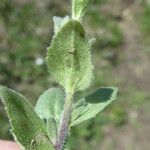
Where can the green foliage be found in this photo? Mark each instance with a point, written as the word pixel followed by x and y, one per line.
pixel 50 104
pixel 68 57
pixel 50 107
pixel 28 129
pixel 18 69
pixel 52 129
pixel 69 63
pixel 79 7
pixel 111 35
pixel 145 21
pixel 118 116
pixel 21 42
pixel 93 104
pixel 4 126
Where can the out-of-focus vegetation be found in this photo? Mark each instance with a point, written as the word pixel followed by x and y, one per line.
pixel 121 56
pixel 145 22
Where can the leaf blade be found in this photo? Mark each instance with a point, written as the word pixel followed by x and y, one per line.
pixel 102 97
pixel 26 125
pixel 50 104
pixel 50 107
pixel 69 60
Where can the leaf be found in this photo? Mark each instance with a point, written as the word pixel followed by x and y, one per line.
pixel 93 104
pixel 41 142
pixel 79 8
pixel 81 107
pixel 28 129
pixel 68 59
pixel 50 104
pixel 52 129
pixel 50 107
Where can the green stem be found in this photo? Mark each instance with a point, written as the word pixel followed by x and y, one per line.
pixel 64 127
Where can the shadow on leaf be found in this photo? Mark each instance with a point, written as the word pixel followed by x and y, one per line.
pixel 100 95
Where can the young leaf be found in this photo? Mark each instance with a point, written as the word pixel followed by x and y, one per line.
pixel 28 129
pixel 93 104
pixel 49 107
pixel 68 59
pixel 79 7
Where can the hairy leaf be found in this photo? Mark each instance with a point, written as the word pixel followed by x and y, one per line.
pixel 68 59
pixel 49 107
pixel 79 8
pixel 41 142
pixel 93 104
pixel 28 129
pixel 52 129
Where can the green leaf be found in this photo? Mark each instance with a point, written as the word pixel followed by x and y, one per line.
pixel 92 104
pixel 52 129
pixel 41 142
pixel 28 129
pixel 68 59
pixel 80 108
pixel 50 107
pixel 79 8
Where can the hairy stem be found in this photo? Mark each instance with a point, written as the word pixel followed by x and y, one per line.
pixel 63 131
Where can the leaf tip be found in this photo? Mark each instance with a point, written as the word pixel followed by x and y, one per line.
pixel 115 92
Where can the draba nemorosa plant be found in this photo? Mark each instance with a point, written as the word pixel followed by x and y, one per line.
pixel 46 126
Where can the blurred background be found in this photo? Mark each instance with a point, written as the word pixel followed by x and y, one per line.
pixel 121 56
